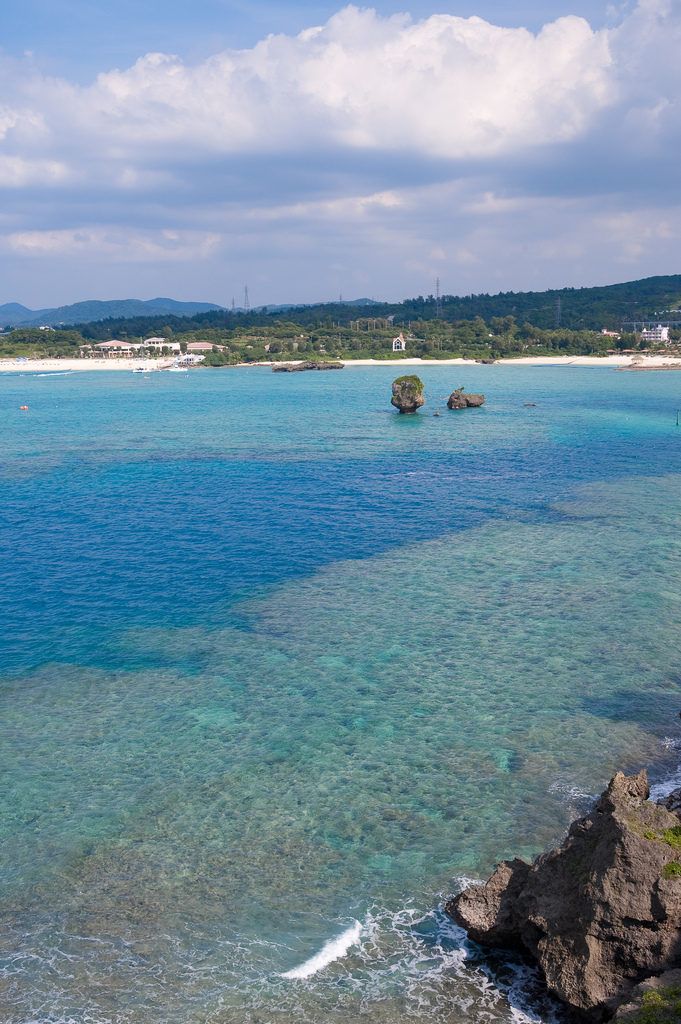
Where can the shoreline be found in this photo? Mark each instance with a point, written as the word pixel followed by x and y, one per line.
pixel 83 365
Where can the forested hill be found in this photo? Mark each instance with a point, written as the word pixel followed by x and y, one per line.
pixel 580 308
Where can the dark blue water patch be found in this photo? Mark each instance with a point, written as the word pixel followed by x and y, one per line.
pixel 632 705
pixel 122 503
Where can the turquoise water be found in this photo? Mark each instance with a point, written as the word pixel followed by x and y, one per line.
pixel 281 667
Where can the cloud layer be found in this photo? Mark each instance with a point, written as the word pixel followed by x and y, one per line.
pixel 446 146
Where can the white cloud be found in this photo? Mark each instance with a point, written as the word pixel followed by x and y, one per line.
pixel 347 207
pixel 114 243
pixel 365 149
pixel 15 172
pixel 451 86
pixel 8 119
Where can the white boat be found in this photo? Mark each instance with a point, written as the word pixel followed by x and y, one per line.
pixel 178 369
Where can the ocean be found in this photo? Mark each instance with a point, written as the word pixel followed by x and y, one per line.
pixel 282 670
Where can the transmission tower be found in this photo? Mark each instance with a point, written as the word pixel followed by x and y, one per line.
pixel 557 318
pixel 232 305
pixel 247 304
pixel 438 300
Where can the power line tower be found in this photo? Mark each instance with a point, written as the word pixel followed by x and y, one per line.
pixel 438 299
pixel 233 307
pixel 247 304
pixel 557 316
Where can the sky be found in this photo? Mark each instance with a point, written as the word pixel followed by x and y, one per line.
pixel 310 150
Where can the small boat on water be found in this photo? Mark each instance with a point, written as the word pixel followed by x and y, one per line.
pixel 144 369
pixel 178 369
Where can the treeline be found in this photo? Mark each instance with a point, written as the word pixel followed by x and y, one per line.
pixel 34 342
pixel 574 309
pixel 256 337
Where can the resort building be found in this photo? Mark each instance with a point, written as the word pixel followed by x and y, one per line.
pixel 202 346
pixel 174 346
pixel 131 348
pixel 657 335
pixel 399 344
pixel 116 348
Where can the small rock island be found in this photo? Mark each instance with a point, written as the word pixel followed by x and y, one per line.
pixel 602 913
pixel 459 400
pixel 408 393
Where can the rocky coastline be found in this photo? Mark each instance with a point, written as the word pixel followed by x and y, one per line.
pixel 309 365
pixel 601 914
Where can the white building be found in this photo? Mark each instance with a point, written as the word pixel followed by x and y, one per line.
pixel 657 335
pixel 399 344
pixel 116 348
pixel 129 348
pixel 174 346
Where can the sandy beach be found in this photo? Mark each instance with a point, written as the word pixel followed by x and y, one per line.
pixel 84 365
pixel 613 361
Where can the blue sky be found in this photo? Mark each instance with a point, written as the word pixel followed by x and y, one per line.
pixel 310 150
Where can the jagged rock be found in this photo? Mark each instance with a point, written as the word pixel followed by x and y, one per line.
pixel 600 913
pixel 486 361
pixel 458 400
pixel 408 393
pixel 292 367
pixel 654 998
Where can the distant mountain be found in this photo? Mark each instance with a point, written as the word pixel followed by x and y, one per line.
pixel 16 309
pixel 93 310
pixel 15 315
pixel 182 308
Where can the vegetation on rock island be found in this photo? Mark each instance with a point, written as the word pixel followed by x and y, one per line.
pixel 408 393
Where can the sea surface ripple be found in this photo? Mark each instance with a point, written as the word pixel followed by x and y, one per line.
pixel 281 670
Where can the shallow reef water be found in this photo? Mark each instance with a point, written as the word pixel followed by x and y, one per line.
pixel 282 669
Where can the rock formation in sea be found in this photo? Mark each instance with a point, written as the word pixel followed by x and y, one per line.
pixel 408 393
pixel 292 367
pixel 458 400
pixel 599 914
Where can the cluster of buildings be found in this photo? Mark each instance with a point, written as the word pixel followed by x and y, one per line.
pixel 658 335
pixel 121 349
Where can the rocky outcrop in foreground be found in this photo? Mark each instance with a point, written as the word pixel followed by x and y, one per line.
pixel 458 400
pixel 599 914
pixel 408 393
pixel 655 999
pixel 293 367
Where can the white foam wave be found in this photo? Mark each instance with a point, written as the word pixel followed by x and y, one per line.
pixel 672 781
pixel 334 949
